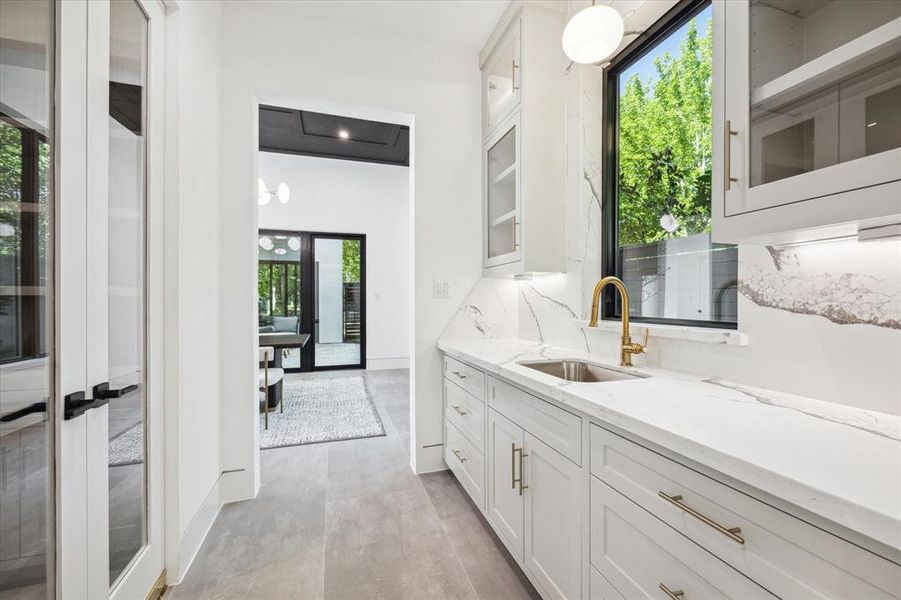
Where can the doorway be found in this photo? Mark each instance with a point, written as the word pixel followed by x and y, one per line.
pixel 312 299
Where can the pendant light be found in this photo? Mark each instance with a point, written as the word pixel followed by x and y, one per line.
pixel 593 34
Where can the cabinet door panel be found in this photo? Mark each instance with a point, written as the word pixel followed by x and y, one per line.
pixel 553 489
pixel 501 191
pixel 501 77
pixel 505 505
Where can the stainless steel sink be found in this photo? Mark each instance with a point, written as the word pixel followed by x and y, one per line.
pixel 580 371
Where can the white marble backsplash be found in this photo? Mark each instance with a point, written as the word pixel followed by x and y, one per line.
pixel 819 320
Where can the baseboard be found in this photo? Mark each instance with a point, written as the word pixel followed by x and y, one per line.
pixel 376 364
pixel 429 460
pixel 195 534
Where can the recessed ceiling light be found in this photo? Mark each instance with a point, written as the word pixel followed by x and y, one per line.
pixel 266 243
pixel 294 244
pixel 343 134
pixel 873 124
pixel 281 251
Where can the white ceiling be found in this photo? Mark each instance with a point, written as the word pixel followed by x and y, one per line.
pixel 463 23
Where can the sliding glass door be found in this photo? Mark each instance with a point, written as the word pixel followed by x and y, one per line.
pixel 311 290
pixel 340 301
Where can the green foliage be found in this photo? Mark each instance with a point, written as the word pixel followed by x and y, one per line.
pixel 665 145
pixel 350 269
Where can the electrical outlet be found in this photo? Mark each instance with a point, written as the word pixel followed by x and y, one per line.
pixel 440 289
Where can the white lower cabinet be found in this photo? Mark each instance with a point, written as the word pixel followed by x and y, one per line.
pixel 653 527
pixel 505 505
pixel 642 557
pixel 553 533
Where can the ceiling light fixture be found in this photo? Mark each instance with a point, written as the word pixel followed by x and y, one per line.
pixel 281 251
pixel 593 34
pixel 343 134
pixel 266 243
pixel 294 244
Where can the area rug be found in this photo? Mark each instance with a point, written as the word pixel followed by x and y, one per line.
pixel 321 410
pixel 127 448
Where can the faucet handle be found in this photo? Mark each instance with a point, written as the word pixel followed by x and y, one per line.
pixel 636 348
pixel 647 332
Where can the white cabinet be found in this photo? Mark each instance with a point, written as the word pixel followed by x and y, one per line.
pixel 807 129
pixel 505 504
pixel 524 149
pixel 553 532
pixel 534 496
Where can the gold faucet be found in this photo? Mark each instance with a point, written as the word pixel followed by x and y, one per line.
pixel 628 347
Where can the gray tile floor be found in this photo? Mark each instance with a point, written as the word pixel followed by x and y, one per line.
pixel 350 520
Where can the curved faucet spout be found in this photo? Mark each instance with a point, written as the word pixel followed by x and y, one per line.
pixel 628 348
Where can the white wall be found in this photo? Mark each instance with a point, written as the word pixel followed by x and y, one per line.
pixel 192 279
pixel 277 51
pixel 344 196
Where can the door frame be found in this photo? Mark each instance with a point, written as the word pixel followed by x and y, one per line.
pixel 308 295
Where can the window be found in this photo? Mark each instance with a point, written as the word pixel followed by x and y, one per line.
pixel 658 172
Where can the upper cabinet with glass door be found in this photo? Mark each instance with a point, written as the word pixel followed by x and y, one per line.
pixel 807 119
pixel 523 154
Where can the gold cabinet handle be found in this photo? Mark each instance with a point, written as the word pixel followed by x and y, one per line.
pixel 513 479
pixel 727 168
pixel 672 595
pixel 513 75
pixel 461 458
pixel 459 374
pixel 459 410
pixel 515 243
pixel 521 456
pixel 731 532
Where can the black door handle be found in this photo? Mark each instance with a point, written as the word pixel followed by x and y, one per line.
pixel 37 407
pixel 75 404
pixel 101 390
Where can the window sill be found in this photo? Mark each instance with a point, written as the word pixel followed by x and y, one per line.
pixel 703 335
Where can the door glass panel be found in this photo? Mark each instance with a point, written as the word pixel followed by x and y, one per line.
pixel 500 78
pixel 502 196
pixel 278 290
pixel 127 223
pixel 26 306
pixel 339 277
pixel 825 84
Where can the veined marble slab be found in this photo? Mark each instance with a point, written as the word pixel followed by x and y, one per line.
pixel 838 462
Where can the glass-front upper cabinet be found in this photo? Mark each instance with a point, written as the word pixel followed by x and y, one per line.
pixel 502 80
pixel 502 197
pixel 812 103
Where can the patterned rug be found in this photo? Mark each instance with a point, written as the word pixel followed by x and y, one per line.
pixel 127 448
pixel 321 410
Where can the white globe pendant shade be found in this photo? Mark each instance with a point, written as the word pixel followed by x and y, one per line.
pixel 593 34
pixel 262 193
pixel 283 193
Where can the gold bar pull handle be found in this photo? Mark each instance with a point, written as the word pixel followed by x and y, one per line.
pixel 459 410
pixel 515 243
pixel 513 478
pixel 727 168
pixel 513 75
pixel 731 532
pixel 522 455
pixel 671 594
pixel 459 374
pixel 459 456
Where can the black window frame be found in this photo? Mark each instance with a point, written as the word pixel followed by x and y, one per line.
pixel 611 255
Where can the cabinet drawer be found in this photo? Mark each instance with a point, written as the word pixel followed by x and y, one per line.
pixel 600 588
pixel 638 554
pixel 784 554
pixel 466 413
pixel 466 463
pixel 559 429
pixel 469 378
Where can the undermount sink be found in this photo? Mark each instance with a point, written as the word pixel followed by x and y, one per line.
pixel 580 371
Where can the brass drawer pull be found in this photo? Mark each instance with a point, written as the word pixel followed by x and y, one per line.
pixel 731 533
pixel 459 410
pixel 462 459
pixel 459 374
pixel 729 179
pixel 513 479
pixel 513 76
pixel 672 595
pixel 521 456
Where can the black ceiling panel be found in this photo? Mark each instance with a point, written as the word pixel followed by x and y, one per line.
pixel 308 133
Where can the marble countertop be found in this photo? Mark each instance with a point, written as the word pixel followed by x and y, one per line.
pixel 838 462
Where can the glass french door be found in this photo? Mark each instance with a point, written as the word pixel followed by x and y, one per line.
pixel 312 299
pixel 80 204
